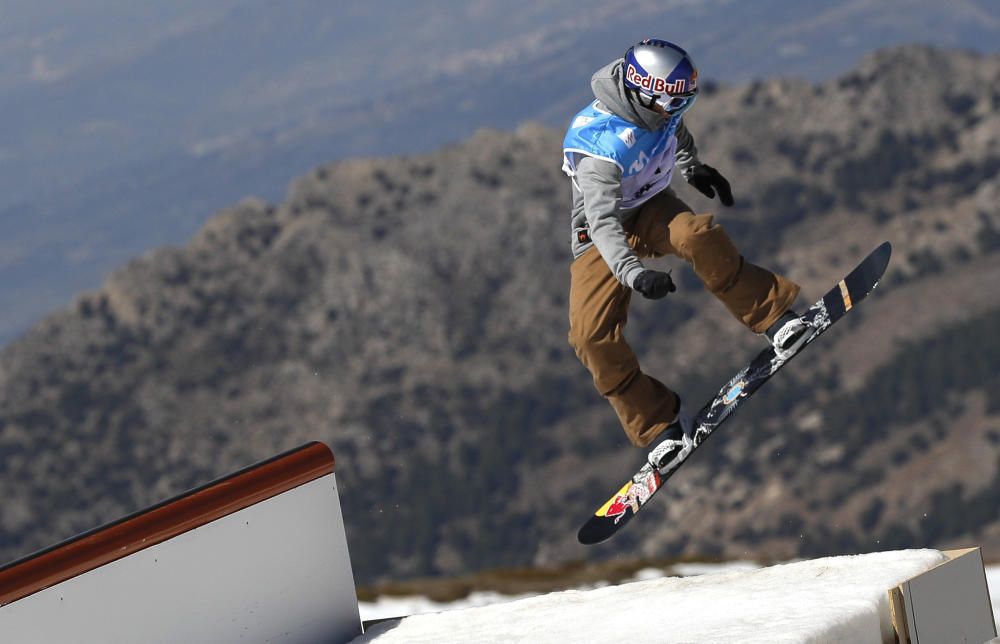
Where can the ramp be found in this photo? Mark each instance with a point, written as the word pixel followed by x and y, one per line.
pixel 260 555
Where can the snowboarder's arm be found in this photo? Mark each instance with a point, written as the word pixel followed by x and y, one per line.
pixel 600 183
pixel 687 152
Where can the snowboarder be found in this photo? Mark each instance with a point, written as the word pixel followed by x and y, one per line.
pixel 620 152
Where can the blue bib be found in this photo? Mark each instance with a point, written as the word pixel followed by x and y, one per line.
pixel 646 158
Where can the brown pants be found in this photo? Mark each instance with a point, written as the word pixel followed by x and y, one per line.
pixel 598 306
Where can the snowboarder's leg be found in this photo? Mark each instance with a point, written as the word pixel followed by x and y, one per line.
pixel 598 310
pixel 754 295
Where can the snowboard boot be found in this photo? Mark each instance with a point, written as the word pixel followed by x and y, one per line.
pixel 677 440
pixel 788 334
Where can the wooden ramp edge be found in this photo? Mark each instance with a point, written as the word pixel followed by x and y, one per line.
pixel 164 521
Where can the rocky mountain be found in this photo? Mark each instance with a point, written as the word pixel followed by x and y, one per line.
pixel 411 312
pixel 127 124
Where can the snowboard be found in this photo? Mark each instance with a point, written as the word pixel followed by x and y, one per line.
pixel 626 502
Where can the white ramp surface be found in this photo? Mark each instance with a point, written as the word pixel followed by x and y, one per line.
pixel 837 599
pixel 993 581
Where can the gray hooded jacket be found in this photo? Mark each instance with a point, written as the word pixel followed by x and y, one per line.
pixel 597 189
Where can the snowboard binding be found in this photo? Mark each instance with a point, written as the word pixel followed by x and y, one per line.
pixel 788 334
pixel 672 450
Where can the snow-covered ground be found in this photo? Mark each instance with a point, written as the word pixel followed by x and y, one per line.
pixel 387 607
pixel 841 599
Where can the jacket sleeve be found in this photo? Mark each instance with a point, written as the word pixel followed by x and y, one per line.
pixel 687 152
pixel 600 183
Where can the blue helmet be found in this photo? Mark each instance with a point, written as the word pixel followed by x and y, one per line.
pixel 661 73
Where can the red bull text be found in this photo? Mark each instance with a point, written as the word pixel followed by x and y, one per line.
pixel 655 85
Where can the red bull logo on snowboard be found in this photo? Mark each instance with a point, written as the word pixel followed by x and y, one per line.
pixel 630 497
pixel 659 86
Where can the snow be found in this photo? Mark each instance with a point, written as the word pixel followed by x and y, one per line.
pixel 390 607
pixel 836 599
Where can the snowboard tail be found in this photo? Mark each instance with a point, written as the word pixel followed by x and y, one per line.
pixel 626 503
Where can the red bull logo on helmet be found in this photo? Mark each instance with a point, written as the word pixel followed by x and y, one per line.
pixel 658 86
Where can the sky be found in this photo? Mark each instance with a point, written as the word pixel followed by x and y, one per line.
pixel 835 599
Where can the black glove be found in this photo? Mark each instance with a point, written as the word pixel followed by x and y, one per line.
pixel 708 180
pixel 653 284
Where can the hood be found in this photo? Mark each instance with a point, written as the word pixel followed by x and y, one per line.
pixel 610 91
